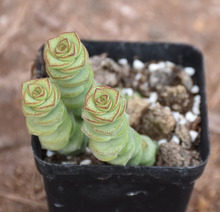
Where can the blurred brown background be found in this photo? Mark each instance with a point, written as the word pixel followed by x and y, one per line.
pixel 26 25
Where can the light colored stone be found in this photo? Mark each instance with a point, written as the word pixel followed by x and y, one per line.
pixel 128 91
pixel 153 97
pixel 138 65
pixel 162 141
pixel 123 61
pixel 153 67
pixel 189 70
pixel 195 89
pixel 175 139
pixel 138 76
pixel 190 116
pixel 85 162
pixel 50 153
pixel 193 134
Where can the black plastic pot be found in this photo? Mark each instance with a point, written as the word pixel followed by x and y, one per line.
pixel 128 188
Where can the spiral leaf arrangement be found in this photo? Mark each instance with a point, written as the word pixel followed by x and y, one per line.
pixel 47 117
pixel 67 64
pixel 111 138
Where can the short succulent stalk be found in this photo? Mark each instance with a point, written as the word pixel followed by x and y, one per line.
pixel 47 117
pixel 111 139
pixel 67 63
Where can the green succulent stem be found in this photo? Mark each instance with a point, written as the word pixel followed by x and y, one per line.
pixel 47 117
pixel 111 139
pixel 67 63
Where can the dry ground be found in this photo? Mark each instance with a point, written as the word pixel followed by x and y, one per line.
pixel 25 25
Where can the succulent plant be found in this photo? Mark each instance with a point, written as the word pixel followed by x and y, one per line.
pixel 47 117
pixel 111 139
pixel 67 64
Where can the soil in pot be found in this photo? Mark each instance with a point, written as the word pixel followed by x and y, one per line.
pixel 163 103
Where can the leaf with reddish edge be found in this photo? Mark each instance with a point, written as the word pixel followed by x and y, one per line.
pixel 109 148
pixel 111 129
pixel 89 117
pixel 91 107
pixel 81 78
pixel 52 44
pixel 86 129
pixel 51 101
pixel 70 93
pixel 53 116
pixel 49 120
pixel 111 138
pixel 74 38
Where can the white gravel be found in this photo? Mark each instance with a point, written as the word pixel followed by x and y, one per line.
pixel 128 91
pixel 123 61
pixel 153 67
pixel 193 134
pixel 169 64
pixel 161 65
pixel 153 97
pixel 190 116
pixel 88 151
pixel 85 162
pixel 138 76
pixel 195 89
pixel 176 115
pixel 196 105
pixel 50 153
pixel 138 65
pixel 162 141
pixel 179 118
pixel 175 139
pixel 189 70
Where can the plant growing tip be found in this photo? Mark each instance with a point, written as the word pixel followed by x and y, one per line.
pixel 107 125
pixel 47 117
pixel 67 64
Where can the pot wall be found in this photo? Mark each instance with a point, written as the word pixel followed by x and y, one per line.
pixel 128 188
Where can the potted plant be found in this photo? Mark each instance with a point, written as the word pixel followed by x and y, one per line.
pixel 134 187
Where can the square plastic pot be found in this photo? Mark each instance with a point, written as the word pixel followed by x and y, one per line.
pixel 128 188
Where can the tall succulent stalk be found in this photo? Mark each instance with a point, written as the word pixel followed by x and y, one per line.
pixel 107 125
pixel 47 117
pixel 67 64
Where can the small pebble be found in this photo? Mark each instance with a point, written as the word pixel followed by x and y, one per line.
pixel 197 99
pixel 123 61
pixel 193 134
pixel 167 70
pixel 138 65
pixel 189 70
pixel 50 153
pixel 162 141
pixel 169 64
pixel 182 120
pixel 196 105
pixel 167 108
pixel 88 151
pixel 153 67
pixel 85 162
pixel 153 97
pixel 135 84
pixel 161 65
pixel 138 76
pixel 128 91
pixel 176 115
pixel 179 118
pixel 196 109
pixel 195 89
pixel 175 139
pixel 190 116
pixel 69 162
